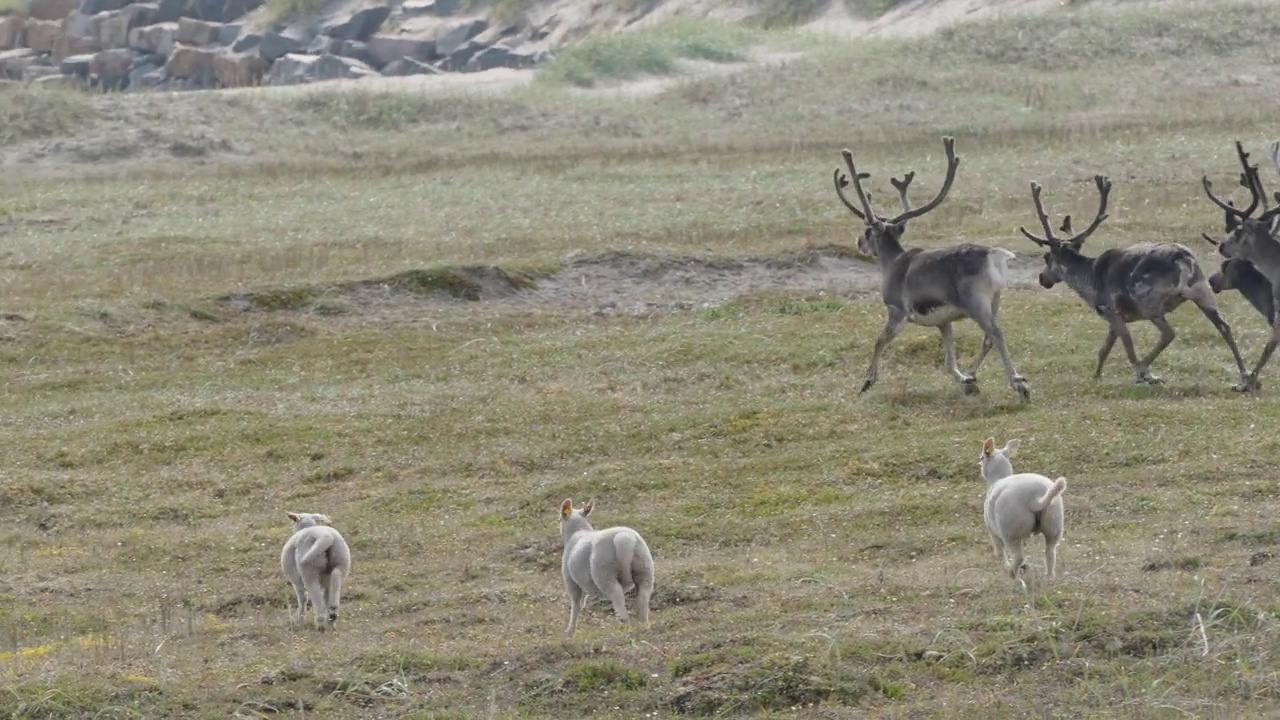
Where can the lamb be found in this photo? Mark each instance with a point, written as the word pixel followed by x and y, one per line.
pixel 604 563
pixel 316 560
pixel 1018 506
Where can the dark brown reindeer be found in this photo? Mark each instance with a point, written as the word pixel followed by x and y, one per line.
pixel 1142 282
pixel 1252 248
pixel 932 287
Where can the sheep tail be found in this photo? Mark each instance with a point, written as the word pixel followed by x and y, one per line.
pixel 625 547
pixel 1054 491
pixel 317 551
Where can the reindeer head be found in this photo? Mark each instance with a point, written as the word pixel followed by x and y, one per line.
pixel 883 236
pixel 1244 234
pixel 1062 251
pixel 1234 273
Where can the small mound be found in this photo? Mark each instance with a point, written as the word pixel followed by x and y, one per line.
pixel 468 283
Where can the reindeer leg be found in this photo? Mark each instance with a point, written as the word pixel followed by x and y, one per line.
pixel 986 339
pixel 1166 336
pixel 949 352
pixel 1103 352
pixel 1210 309
pixel 981 313
pixel 897 319
pixel 1266 355
pixel 1122 331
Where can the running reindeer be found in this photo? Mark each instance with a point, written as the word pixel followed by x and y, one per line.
pixel 932 287
pixel 1252 249
pixel 1123 285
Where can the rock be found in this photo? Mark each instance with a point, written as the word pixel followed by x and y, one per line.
pixel 77 24
pixel 67 45
pixel 57 79
pixel 14 62
pixel 333 67
pixel 498 56
pixel 77 65
pixel 322 44
pixel 158 38
pixel 140 69
pixel 452 37
pixel 192 64
pixel 382 49
pixel 409 66
pixel 353 49
pixel 293 69
pixel 42 33
pixel 360 25
pixel 246 42
pixel 33 72
pixel 114 27
pixel 111 68
pixel 439 8
pixel 197 32
pixel 50 9
pixel 93 7
pixel 458 59
pixel 228 33
pixel 275 45
pixel 12 31
pixel 220 11
pixel 239 69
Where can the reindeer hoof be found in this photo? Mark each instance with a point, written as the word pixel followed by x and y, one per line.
pixel 1024 391
pixel 1149 379
pixel 866 385
pixel 970 387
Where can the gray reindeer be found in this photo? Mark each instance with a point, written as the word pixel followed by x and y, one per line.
pixel 1123 285
pixel 1252 249
pixel 933 287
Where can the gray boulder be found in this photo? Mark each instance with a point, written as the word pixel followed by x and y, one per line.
pixel 458 59
pixel 294 69
pixel 409 66
pixel 228 33
pixel 382 49
pixel 213 10
pixel 246 42
pixel 498 57
pixel 333 67
pixel 13 63
pixel 276 45
pixel 93 7
pixel 452 37
pixel 76 65
pixel 138 77
pixel 359 25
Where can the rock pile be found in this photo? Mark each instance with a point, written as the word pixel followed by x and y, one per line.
pixel 197 44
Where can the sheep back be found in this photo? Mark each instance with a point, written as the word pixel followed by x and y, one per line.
pixel 1011 504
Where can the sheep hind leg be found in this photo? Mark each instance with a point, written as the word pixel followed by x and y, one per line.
pixel 316 592
pixel 1018 563
pixel 618 597
pixel 644 589
pixel 1051 557
pixel 333 598
pixel 577 600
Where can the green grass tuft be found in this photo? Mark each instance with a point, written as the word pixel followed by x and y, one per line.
pixel 650 51
pixel 35 113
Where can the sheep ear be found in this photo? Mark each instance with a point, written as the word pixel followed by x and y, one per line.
pixel 1010 447
pixel 295 517
pixel 586 509
pixel 566 507
pixel 988 446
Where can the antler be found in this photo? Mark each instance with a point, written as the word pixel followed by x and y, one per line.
pixel 842 181
pixel 1254 183
pixel 953 162
pixel 1049 239
pixel 856 178
pixel 1104 191
pixel 902 185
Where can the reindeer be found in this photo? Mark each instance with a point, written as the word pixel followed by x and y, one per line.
pixel 932 287
pixel 1253 241
pixel 1143 282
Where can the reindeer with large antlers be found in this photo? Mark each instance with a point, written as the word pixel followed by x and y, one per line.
pixel 1123 285
pixel 1252 248
pixel 932 287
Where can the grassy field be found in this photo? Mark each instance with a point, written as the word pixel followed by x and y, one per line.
pixel 218 308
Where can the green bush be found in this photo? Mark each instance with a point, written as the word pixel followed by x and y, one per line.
pixel 652 51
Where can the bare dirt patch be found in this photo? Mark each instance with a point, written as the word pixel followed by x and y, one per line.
pixel 605 283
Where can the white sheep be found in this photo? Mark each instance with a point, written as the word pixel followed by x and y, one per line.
pixel 1019 506
pixel 316 560
pixel 603 563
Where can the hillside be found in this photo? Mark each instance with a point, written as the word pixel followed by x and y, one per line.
pixel 195 44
